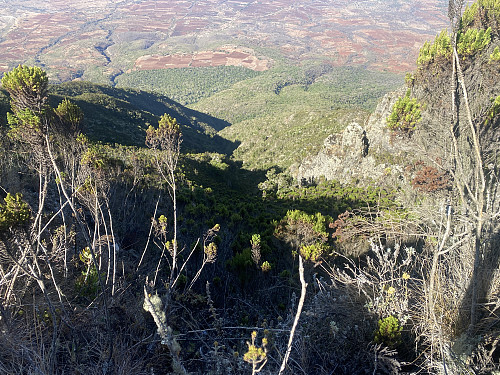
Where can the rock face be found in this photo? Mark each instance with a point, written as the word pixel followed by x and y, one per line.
pixel 358 154
pixel 342 155
pixel 450 131
pixel 376 126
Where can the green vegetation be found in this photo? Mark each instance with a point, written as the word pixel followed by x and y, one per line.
pixel 185 85
pixel 292 136
pixel 303 104
pixel 266 266
pixel 471 12
pixel 105 230
pixel 317 222
pixel 256 356
pixel 494 111
pixel 290 89
pixel 313 252
pixel 409 79
pixel 441 47
pixel 122 116
pixel 27 87
pixel 388 332
pixel 495 56
pixel 14 212
pixel 473 41
pixel 405 115
pixel 31 81
pixel 87 284
pixel 470 40
pixel 333 198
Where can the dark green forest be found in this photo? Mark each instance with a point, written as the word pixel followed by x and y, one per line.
pixel 141 236
pixel 186 85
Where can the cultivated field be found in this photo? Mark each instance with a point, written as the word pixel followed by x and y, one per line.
pixel 99 38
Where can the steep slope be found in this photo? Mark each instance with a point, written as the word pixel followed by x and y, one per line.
pixel 397 155
pixel 436 143
pixel 122 115
pixel 284 114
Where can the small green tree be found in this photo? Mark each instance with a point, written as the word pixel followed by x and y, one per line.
pixel 70 118
pixel 27 87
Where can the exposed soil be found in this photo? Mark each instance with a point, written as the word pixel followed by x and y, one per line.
pixel 222 57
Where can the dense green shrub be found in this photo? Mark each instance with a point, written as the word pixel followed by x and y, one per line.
pixel 405 115
pixel 473 40
pixel 13 212
pixel 313 252
pixel 388 332
pixel 240 263
pixel 317 221
pixel 440 47
pixel 492 8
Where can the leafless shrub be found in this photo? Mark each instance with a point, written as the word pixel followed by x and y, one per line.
pixel 428 179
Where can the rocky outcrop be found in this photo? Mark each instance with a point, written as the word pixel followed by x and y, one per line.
pixel 450 129
pixel 358 154
pixel 342 156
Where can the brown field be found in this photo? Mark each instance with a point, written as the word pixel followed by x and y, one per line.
pixel 149 34
pixel 227 57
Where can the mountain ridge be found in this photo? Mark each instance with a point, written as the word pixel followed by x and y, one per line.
pixel 122 115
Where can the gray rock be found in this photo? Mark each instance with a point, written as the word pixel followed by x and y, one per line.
pixel 355 154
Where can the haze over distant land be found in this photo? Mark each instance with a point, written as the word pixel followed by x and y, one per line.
pixel 74 39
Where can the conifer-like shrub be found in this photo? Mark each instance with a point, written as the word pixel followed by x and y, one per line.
pixel 297 220
pixel 240 262
pixel 490 7
pixel 495 56
pixel 313 252
pixel 388 332
pixel 405 115
pixel 473 40
pixel 440 47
